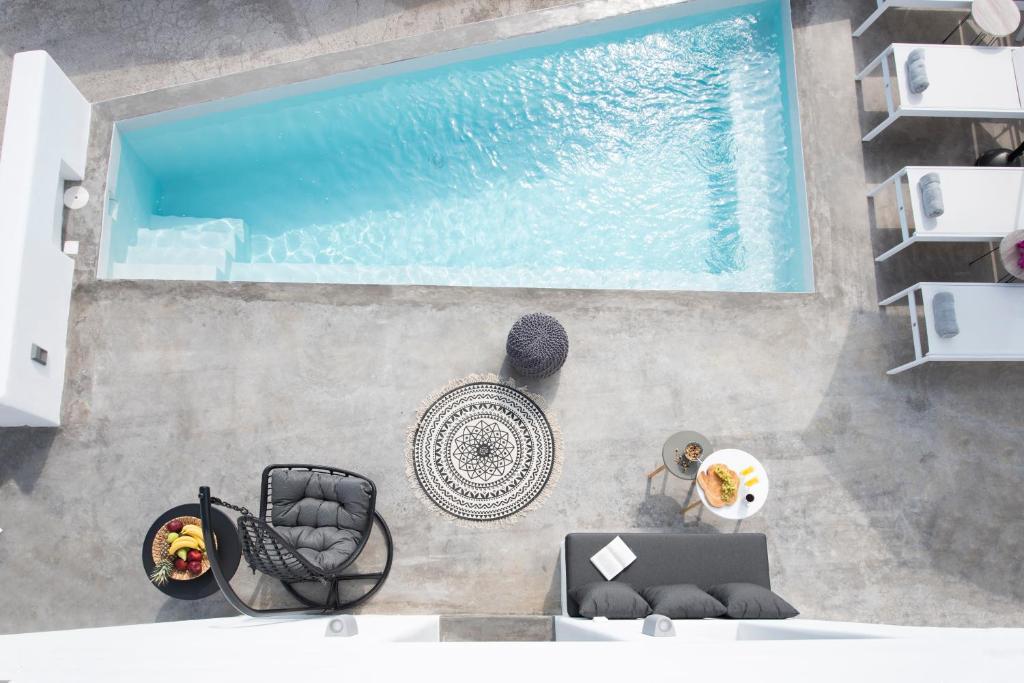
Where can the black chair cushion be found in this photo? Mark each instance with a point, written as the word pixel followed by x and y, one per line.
pixel 325 547
pixel 323 515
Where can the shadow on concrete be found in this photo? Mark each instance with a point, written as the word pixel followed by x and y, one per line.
pixel 23 454
pixel 553 596
pixel 809 12
pixel 268 592
pixel 544 386
pixel 948 499
pixel 207 608
pixel 659 510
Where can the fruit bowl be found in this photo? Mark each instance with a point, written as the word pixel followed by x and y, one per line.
pixel 161 545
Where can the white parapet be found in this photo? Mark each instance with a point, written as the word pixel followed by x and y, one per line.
pixel 408 648
pixel 45 142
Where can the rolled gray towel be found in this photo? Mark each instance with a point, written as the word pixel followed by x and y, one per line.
pixel 917 74
pixel 944 314
pixel 931 195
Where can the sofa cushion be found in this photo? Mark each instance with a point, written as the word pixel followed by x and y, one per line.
pixel 682 601
pixel 612 599
pixel 750 601
pixel 668 558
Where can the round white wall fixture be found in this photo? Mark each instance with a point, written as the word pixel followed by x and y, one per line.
pixel 76 197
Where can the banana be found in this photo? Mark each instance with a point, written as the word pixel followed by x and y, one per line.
pixel 200 541
pixel 183 542
pixel 195 531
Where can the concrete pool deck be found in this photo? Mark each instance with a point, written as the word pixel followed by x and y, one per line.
pixel 894 499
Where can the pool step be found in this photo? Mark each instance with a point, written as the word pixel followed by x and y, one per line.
pixel 172 271
pixel 304 272
pixel 184 248
pixel 180 256
pixel 279 272
pixel 228 234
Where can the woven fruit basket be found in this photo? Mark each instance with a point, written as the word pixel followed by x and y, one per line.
pixel 161 546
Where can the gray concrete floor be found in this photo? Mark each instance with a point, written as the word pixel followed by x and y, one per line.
pixel 894 499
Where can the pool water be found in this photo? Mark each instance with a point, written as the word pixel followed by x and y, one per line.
pixel 660 157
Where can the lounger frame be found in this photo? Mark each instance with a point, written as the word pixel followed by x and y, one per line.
pixel 922 356
pixel 933 5
pixel 896 110
pixel 897 181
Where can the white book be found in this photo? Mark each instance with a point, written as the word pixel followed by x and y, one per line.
pixel 613 558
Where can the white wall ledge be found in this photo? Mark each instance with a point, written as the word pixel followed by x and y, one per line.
pixel 406 648
pixel 45 142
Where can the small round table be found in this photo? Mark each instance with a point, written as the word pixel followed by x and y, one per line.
pixel 1010 255
pixel 738 460
pixel 995 18
pixel 229 552
pixel 678 443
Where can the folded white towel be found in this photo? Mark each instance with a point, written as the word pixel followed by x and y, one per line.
pixel 931 195
pixel 917 74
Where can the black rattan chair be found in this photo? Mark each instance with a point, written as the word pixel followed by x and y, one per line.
pixel 313 524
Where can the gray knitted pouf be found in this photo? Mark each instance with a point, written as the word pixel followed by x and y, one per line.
pixel 537 345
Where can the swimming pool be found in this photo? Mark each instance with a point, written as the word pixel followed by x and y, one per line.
pixel 662 156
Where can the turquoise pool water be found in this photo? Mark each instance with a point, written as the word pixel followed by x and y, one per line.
pixel 653 158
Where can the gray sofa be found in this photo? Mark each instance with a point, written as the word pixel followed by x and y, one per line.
pixel 664 559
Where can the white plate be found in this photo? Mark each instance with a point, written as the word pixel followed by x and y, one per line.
pixel 738 460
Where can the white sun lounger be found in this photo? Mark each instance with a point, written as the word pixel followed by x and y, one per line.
pixel 981 204
pixel 990 318
pixel 934 5
pixel 965 82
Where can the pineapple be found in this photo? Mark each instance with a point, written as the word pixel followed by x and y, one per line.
pixel 162 572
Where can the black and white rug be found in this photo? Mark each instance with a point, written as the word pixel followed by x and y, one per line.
pixel 483 451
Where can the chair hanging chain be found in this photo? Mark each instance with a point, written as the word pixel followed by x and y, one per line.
pixel 237 508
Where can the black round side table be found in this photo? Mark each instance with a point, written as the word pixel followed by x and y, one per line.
pixel 229 552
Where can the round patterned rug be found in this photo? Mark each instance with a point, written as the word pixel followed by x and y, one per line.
pixel 483 451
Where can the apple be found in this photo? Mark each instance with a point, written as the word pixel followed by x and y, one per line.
pixel 175 525
pixel 195 566
pixel 180 564
pixel 194 555
pixel 171 536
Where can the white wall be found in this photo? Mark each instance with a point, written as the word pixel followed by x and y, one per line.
pixel 738 630
pixel 45 141
pixel 405 648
